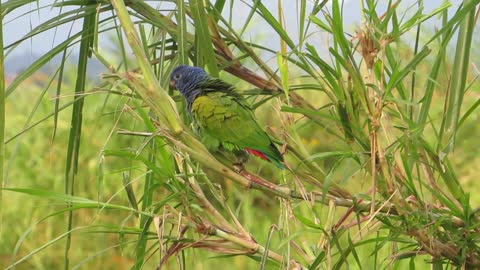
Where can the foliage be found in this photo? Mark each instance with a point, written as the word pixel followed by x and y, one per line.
pixel 380 191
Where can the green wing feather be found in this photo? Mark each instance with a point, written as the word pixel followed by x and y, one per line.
pixel 226 120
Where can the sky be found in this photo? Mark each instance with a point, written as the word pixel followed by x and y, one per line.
pixel 18 23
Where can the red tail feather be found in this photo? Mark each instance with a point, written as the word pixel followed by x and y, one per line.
pixel 256 153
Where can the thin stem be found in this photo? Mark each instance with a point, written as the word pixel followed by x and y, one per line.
pixel 2 114
pixel 253 246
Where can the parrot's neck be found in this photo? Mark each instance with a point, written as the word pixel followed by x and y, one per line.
pixel 190 96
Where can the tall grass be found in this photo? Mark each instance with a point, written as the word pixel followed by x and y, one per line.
pixel 383 102
pixel 2 116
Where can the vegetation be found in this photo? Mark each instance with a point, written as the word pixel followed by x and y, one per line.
pixel 378 128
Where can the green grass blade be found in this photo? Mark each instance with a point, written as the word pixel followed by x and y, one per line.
pixel 282 56
pixel 277 27
pixel 398 76
pixel 415 51
pixel 61 108
pixel 320 24
pixel 73 149
pixel 469 112
pixel 127 183
pixel 263 263
pixel 301 23
pixel 11 5
pixel 61 19
pixel 458 82
pixel 320 257
pixel 249 17
pixel 2 118
pixel 219 5
pixel 419 18
pixel 432 81
pixel 41 248
pixel 32 114
pixel 73 200
pixel 202 35
pixel 461 14
pixel 145 221
pixel 40 62
pixel 57 100
pixel 182 33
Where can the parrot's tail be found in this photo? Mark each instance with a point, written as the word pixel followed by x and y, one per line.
pixel 277 162
pixel 256 153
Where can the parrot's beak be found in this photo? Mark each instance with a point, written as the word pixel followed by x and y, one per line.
pixel 172 84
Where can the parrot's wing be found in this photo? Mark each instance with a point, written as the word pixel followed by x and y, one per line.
pixel 226 118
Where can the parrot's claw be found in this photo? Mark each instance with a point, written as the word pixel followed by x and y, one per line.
pixel 239 164
pixel 238 167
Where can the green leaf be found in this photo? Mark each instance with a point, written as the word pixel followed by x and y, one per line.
pixel 202 35
pixel 277 27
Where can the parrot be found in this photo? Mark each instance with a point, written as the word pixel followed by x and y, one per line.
pixel 224 119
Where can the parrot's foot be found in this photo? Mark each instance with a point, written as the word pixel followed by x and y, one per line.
pixel 241 158
pixel 238 167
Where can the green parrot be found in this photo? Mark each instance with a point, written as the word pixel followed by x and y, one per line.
pixel 222 115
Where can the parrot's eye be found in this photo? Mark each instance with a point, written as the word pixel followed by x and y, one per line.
pixel 177 76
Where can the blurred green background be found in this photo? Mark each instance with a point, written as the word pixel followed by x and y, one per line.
pixel 35 159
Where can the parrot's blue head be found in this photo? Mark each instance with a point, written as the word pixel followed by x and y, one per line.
pixel 187 80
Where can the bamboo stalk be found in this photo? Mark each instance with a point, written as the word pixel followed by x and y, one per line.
pixel 255 247
pixel 155 97
pixel 247 179
pixel 204 227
